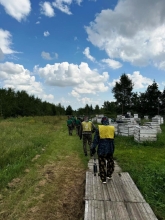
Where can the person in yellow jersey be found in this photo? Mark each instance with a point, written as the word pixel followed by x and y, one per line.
pixel 86 130
pixel 104 139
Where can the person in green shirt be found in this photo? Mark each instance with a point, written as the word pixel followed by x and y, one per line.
pixel 78 124
pixel 70 125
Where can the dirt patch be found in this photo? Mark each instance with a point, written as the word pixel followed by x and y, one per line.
pixel 62 189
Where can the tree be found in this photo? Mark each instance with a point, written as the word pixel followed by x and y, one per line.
pixel 153 99
pixel 97 109
pixel 109 109
pixel 69 110
pixel 123 93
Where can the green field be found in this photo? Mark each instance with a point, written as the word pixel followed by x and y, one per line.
pixel 42 169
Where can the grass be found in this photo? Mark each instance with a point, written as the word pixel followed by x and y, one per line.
pixel 41 166
pixel 146 165
pixel 42 169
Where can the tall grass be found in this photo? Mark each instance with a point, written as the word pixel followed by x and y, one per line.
pixel 21 140
pixel 146 164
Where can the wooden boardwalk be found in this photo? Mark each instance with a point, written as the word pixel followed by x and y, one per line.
pixel 119 199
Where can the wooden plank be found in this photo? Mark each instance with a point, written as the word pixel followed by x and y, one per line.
pixel 86 214
pixel 92 209
pixel 115 188
pixel 131 189
pixel 140 211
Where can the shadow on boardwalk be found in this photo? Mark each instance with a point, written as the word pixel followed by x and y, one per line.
pixel 119 199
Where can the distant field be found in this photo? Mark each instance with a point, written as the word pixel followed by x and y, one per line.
pixel 42 169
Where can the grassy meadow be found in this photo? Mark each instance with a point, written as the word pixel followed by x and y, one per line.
pixel 42 169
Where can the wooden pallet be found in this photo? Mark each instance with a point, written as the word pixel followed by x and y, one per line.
pixel 119 199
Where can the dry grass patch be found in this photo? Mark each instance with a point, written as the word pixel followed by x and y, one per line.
pixel 56 193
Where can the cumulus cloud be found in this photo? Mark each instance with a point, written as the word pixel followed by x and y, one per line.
pixel 133 32
pixel 112 63
pixel 80 77
pixel 6 42
pixel 86 52
pixel 17 77
pixel 19 9
pixel 38 22
pixel 47 56
pixel 139 81
pixel 46 33
pixel 1 55
pixel 47 9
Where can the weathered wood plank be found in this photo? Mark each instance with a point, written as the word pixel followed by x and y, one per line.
pixel 119 199
pixel 131 189
pixel 140 211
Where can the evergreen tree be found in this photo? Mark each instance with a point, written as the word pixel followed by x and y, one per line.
pixel 122 93
pixel 69 110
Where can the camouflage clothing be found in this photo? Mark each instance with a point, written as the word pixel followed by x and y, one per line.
pixel 105 149
pixel 86 130
pixel 87 139
pixel 70 126
pixel 78 124
pixel 106 170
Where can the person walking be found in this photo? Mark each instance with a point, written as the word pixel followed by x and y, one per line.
pixel 70 125
pixel 86 130
pixel 104 139
pixel 78 124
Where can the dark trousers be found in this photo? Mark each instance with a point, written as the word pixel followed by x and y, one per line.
pixel 87 139
pixel 78 130
pixel 70 129
pixel 106 166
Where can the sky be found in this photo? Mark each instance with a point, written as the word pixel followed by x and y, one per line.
pixel 73 52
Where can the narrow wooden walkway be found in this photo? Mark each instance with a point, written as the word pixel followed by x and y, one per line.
pixel 119 199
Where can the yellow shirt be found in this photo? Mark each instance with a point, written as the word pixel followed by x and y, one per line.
pixel 106 131
pixel 87 126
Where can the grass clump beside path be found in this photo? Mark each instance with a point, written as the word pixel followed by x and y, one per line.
pixel 42 170
pixel 145 163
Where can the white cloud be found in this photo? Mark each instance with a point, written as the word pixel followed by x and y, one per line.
pixel 19 9
pixel 160 65
pixel 47 56
pixel 1 55
pixel 46 33
pixel 89 101
pixel 112 63
pixel 63 5
pixel 6 42
pixel 133 32
pixel 38 22
pixel 81 78
pixel 139 81
pixel 78 1
pixel 75 94
pixel 86 52
pixel 47 9
pixel 17 77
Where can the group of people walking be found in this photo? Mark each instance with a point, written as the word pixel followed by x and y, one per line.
pixel 103 140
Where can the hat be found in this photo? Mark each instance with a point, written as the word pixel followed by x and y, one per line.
pixel 105 121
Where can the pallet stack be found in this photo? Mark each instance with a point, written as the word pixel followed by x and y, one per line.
pixel 154 125
pixel 158 119
pixel 145 133
pixel 126 129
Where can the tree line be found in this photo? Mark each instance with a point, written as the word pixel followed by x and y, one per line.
pixel 14 104
pixel 151 103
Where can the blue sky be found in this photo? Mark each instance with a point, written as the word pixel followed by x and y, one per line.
pixel 73 51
